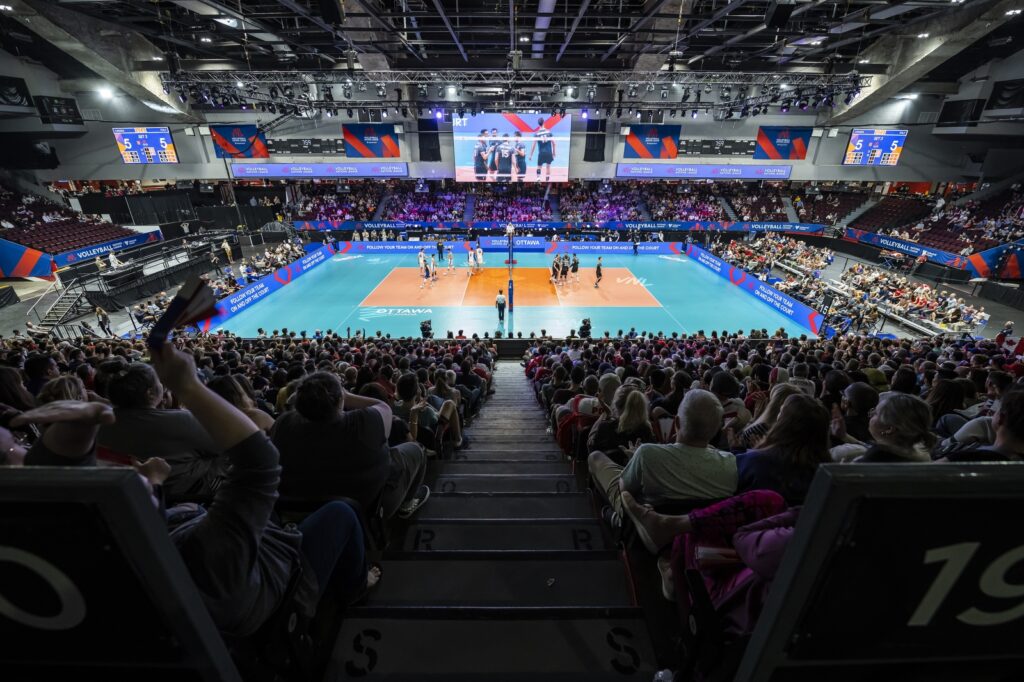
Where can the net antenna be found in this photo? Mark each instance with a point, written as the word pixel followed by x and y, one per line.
pixel 510 234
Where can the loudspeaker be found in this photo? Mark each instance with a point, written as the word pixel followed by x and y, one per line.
pixel 333 11
pixel 430 141
pixel 778 13
pixel 594 149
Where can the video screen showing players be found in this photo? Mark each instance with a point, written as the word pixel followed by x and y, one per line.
pixel 869 147
pixel 512 148
pixel 146 145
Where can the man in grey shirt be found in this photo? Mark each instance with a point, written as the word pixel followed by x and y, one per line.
pixel 689 469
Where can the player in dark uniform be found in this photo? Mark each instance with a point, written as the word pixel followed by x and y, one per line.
pixel 480 157
pixel 545 146
pixel 598 272
pixel 575 267
pixel 505 159
pixel 520 157
pixel 492 154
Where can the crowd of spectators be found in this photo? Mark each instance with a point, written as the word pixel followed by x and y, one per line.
pixel 681 202
pixel 582 203
pixel 731 430
pixel 46 226
pixel 434 206
pixel 511 203
pixel 827 208
pixel 764 204
pixel 218 428
pixel 324 201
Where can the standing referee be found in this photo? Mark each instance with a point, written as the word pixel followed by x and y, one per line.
pixel 598 272
pixel 499 303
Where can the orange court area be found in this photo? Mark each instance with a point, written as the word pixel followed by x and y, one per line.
pixel 619 288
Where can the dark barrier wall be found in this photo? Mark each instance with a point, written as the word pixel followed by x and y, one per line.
pixel 1012 296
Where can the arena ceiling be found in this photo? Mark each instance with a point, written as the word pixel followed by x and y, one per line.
pixel 537 34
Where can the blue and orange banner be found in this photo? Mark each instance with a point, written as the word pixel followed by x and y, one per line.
pixel 89 252
pixel 778 143
pixel 652 142
pixel 371 141
pixel 239 142
pixel 1001 262
pixel 913 249
pixel 18 260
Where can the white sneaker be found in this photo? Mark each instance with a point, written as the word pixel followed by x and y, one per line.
pixel 410 507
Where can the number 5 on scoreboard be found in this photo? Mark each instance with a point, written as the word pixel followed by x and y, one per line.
pixel 992 584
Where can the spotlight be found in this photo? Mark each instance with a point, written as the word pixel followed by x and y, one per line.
pixel 650 87
pixel 664 93
pixel 349 112
pixel 802 104
pixel 632 91
pixel 288 92
pixel 105 92
pixel 328 94
pixel 686 96
pixel 347 92
pixel 383 113
pixel 785 107
pixel 452 89
pixel 571 91
pixel 381 91
pixel 271 107
pixel 273 92
pixel 848 99
pixel 328 113
pixel 440 91
pixel 405 112
pixel 591 93
pixel 638 115
pixel 421 91
pixel 439 114
pixel 618 112
pixel 239 84
pixel 922 35
pixel 583 114
pixel 305 87
pixel 206 39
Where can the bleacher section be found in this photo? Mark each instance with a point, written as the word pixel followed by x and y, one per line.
pixel 827 208
pixel 892 212
pixel 436 205
pixel 48 227
pixel 323 201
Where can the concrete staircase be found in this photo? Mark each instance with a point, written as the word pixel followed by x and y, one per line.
pixel 856 213
pixel 791 214
pixel 730 214
pixel 506 573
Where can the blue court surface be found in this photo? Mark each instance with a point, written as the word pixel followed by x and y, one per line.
pixel 353 292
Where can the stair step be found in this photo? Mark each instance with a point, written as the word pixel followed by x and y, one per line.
pixel 501 506
pixel 495 466
pixel 465 536
pixel 523 454
pixel 570 649
pixel 588 579
pixel 505 483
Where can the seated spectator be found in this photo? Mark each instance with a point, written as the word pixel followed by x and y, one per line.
pixel 231 389
pixel 689 469
pixel 625 428
pixel 1007 427
pixel 143 428
pixel 901 431
pixel 751 435
pixel 335 443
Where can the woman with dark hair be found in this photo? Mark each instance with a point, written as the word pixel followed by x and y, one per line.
pixel 335 443
pixel 13 392
pixel 788 456
pixel 142 429
pixel 231 389
pixel 946 397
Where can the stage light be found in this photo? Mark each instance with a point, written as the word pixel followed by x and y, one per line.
pixel 383 113
pixel 802 104
pixel 650 87
pixel 863 61
pixel 346 92
pixel 440 91
pixel 632 91
pixel 349 112
pixel 583 114
pixel 305 87
pixel 405 112
pixel 328 113
pixel 452 89
pixel 439 114
pixel 271 107
pixel 288 92
pixel 381 91
pixel 105 92
pixel 591 93
pixel 923 35
pixel 206 39
pixel 618 112
pixel 273 92
pixel 638 115
pixel 664 93
pixel 785 107
pixel 686 96
pixel 239 84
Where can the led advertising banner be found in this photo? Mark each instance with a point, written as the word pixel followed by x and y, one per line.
pixel 511 148
pixel 146 145
pixel 869 147
pixel 913 249
pixel 777 143
pixel 239 142
pixel 371 141
pixel 390 169
pixel 701 170
pixel 652 142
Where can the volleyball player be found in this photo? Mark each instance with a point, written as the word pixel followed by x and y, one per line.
pixel 520 157
pixel 479 256
pixel 421 258
pixel 556 270
pixel 565 269
pixel 470 263
pixel 451 260
pixel 505 159
pixel 480 157
pixel 433 268
pixel 546 150
pixel 492 155
pixel 575 267
pixel 598 273
pixel 424 273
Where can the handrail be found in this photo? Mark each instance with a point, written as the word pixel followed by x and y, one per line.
pixel 54 283
pixel 69 288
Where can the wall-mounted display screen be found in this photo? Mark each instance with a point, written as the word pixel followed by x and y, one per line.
pixel 391 169
pixel 307 145
pixel 146 145
pixel 874 147
pixel 511 148
pixel 371 141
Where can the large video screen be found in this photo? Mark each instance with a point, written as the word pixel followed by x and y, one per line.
pixel 874 147
pixel 512 148
pixel 146 145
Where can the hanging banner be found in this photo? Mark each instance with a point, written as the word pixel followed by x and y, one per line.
pixel 18 260
pixel 913 249
pixel 652 142
pixel 239 142
pixel 72 257
pixel 777 143
pixel 1002 261
pixel 371 141
pixel 626 226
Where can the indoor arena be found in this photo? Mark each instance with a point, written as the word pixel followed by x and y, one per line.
pixel 520 341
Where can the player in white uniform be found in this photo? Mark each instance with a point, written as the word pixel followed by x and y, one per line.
pixel 479 257
pixel 451 260
pixel 471 262
pixel 433 268
pixel 421 258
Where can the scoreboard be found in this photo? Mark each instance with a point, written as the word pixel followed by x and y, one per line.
pixel 871 147
pixel 329 146
pixel 720 147
pixel 146 145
